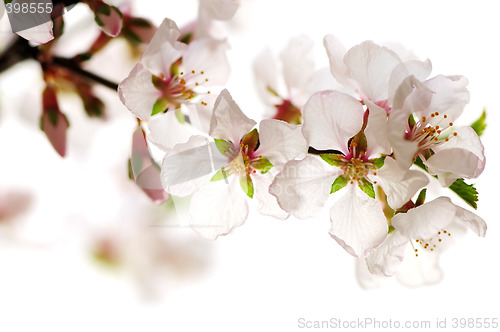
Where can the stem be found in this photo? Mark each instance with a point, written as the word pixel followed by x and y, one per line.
pixel 20 50
pixel 72 66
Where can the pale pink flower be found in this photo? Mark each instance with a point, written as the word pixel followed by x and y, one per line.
pixel 429 228
pixel 239 165
pixel 302 188
pixel 172 74
pixel 422 124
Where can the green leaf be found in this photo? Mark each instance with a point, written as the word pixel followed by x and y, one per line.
pixel 332 159
pixel 421 197
pixel 418 162
pixel 465 191
pixel 367 187
pixel 160 106
pixel 378 162
pixel 247 185
pixel 220 175
pixel 263 165
pixel 251 140
pixel 223 146
pixel 339 183
pixel 480 124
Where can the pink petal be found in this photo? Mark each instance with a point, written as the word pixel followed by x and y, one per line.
pixel 358 223
pixel 331 118
pixel 218 207
pixel 303 186
pixel 228 121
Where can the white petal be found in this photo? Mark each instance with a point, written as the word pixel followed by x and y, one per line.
pixel 217 208
pixel 450 95
pixel 336 52
pixel 461 157
pixel 418 69
pixel 200 114
pixel 412 96
pixel 331 118
pixel 303 186
pixel 266 74
pixel 427 220
pixel 376 131
pixel 165 131
pixel 385 259
pixel 281 142
pixel 40 34
pixel 419 271
pixel 228 121
pixel 298 62
pixel 471 220
pixel 371 66
pixel 138 93
pixel 358 223
pixel 164 49
pixel 404 150
pixel 190 165
pixel 321 79
pixel 207 56
pixel 365 279
pixel 220 9
pixel 399 185
pixel 268 204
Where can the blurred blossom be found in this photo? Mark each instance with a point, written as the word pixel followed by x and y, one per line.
pixel 143 245
pixel 285 85
pixel 12 204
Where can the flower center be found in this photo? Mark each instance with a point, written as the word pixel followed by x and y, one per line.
pixel 356 169
pixel 429 132
pixel 183 87
pixel 241 161
pixel 433 243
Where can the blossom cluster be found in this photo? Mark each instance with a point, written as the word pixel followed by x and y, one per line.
pixel 361 143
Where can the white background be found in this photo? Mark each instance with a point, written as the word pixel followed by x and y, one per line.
pixel 268 273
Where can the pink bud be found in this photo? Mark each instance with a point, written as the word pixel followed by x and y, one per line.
pixel 53 122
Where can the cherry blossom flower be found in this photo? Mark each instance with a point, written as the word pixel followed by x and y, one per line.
pixel 210 14
pixel 422 124
pixel 334 121
pixel 370 71
pixel 172 74
pixel 239 165
pixel 427 228
pixel 300 77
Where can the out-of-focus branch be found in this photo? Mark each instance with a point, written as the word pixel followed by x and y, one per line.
pixel 19 50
